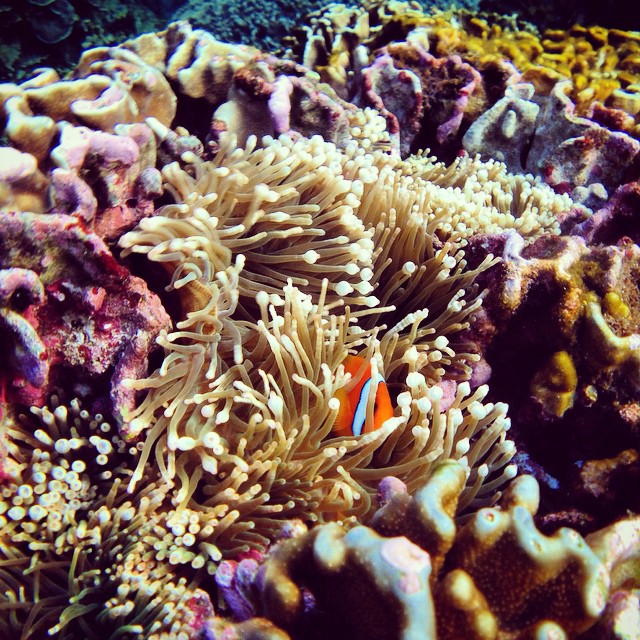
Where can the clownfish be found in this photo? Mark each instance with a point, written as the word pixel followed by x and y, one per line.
pixel 352 415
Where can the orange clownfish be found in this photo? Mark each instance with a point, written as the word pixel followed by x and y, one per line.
pixel 352 415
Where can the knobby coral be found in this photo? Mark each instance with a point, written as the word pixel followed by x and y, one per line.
pixel 415 574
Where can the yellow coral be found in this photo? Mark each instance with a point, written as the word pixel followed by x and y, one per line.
pixel 555 384
pixel 602 63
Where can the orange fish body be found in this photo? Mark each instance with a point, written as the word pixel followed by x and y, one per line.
pixel 352 415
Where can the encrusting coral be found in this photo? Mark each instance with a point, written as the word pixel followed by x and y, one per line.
pixel 66 306
pixel 587 295
pixel 415 574
pixel 602 63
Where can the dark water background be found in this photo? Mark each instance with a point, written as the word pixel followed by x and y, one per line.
pixel 53 33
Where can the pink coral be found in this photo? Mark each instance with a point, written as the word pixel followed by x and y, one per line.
pixel 71 313
pixel 107 180
pixel 270 96
pixel 397 94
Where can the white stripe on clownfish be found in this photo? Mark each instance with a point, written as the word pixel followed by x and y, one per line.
pixel 360 414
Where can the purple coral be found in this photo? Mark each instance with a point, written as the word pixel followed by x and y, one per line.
pixel 397 94
pixel 20 292
pixel 271 96
pixel 236 581
pixel 72 313
pixel 107 180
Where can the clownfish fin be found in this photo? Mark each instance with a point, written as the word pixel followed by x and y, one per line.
pixel 342 424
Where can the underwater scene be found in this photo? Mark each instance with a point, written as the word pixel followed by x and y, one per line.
pixel 319 321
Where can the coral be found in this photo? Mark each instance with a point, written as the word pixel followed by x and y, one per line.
pixel 201 487
pixel 228 19
pixel 554 385
pixel 455 95
pixel 25 129
pixel 546 301
pixel 109 87
pixel 138 90
pixel 199 65
pixel 52 20
pixel 332 583
pixel 22 185
pixel 397 94
pixel 599 62
pixel 20 289
pixel 117 168
pixel 606 480
pixel 78 556
pixel 375 587
pixel 571 151
pixel 471 65
pixel 71 314
pixel 542 134
pixel 551 15
pixel 270 97
pixel 504 132
pixel 617 546
pixel 615 220
pixel 253 93
pixel 427 100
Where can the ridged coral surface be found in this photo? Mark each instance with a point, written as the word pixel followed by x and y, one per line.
pixel 335 342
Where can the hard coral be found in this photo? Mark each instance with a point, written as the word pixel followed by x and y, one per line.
pixel 106 180
pixel 22 185
pixel 139 89
pixel 581 295
pixel 109 87
pixel 71 313
pixel 543 135
pixel 199 65
pixel 271 97
pixel 471 61
pixel 332 583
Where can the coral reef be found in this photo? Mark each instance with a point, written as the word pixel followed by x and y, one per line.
pixel 215 261
pixel 544 136
pixel 581 108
